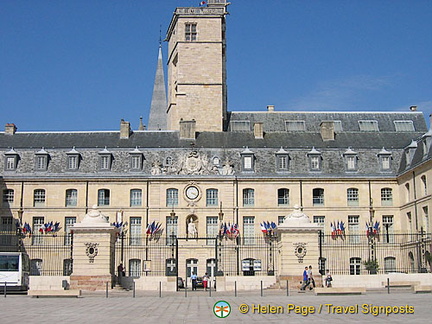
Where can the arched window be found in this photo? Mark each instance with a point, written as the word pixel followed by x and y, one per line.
pixel 283 197
pixel 172 197
pixel 71 197
pixel 36 267
pixel 352 197
pixel 386 197
pixel 135 268
pixel 318 196
pixel 248 197
pixel 355 264
pixel 389 264
pixel 39 198
pixel 103 197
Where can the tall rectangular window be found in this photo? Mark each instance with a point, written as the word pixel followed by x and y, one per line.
pixel 39 198
pixel 385 162
pixel 355 264
pixel 136 198
pixel 318 197
pixel 6 228
pixel 10 163
pixel 283 197
pixel 41 162
pixel 136 161
pixel 351 162
pixel 212 197
pixel 352 197
pixel 103 197
pixel 171 232
pixel 69 221
pixel 135 268
pixel 320 220
pixel 212 229
pixel 8 197
pixel 71 197
pixel 387 228
pixel 282 162
pixel 354 229
pixel 37 237
pixel 386 197
pixel 135 231
pixel 249 230
pixel 191 32
pixel 248 197
pixel 172 197
pixel 72 162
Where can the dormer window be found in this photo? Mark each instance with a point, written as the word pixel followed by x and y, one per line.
pixel 105 160
pixel 368 125
pixel 315 160
pixel 248 158
pixel 295 125
pixel 73 159
pixel 136 160
pixel 41 160
pixel 11 160
pixel 404 126
pixel 409 152
pixel 426 142
pixel 351 159
pixel 385 159
pixel 282 160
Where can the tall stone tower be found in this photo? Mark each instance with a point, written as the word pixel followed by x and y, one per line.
pixel 197 67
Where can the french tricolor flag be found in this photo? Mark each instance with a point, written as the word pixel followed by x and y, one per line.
pixel 203 3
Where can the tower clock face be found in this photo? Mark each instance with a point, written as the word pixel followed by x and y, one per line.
pixel 192 192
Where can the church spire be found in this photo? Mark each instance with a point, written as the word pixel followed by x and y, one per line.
pixel 158 119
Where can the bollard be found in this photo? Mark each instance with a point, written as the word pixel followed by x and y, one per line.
pixel 261 288
pixel 388 285
pixel 235 288
pixel 160 289
pixel 287 288
pixel 185 288
pixel 210 291
pixel 5 289
pixel 106 290
pixel 133 290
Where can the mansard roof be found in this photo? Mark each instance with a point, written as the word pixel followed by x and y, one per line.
pixel 274 121
pixel 171 139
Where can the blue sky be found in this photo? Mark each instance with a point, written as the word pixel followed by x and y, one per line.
pixel 86 64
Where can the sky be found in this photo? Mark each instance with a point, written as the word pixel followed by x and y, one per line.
pixel 84 65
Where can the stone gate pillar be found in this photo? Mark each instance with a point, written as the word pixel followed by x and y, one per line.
pixel 299 247
pixel 93 252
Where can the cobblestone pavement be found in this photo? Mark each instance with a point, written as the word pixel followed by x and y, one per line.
pixel 197 307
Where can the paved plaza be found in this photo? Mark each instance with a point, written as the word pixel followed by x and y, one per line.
pixel 198 307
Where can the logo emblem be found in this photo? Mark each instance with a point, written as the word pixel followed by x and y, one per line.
pixel 221 309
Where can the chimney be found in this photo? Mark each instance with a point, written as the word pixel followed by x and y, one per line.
pixel 125 130
pixel 187 129
pixel 258 130
pixel 10 129
pixel 327 130
pixel 413 108
pixel 270 108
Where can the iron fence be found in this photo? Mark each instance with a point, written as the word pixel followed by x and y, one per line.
pixel 354 254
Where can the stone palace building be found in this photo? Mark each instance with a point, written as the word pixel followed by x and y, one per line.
pixel 199 188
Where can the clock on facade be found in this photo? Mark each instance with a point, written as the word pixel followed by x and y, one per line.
pixel 192 192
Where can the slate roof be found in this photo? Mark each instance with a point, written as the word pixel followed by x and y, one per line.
pixel 227 146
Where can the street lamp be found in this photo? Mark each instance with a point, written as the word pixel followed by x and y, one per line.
pixel 220 235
